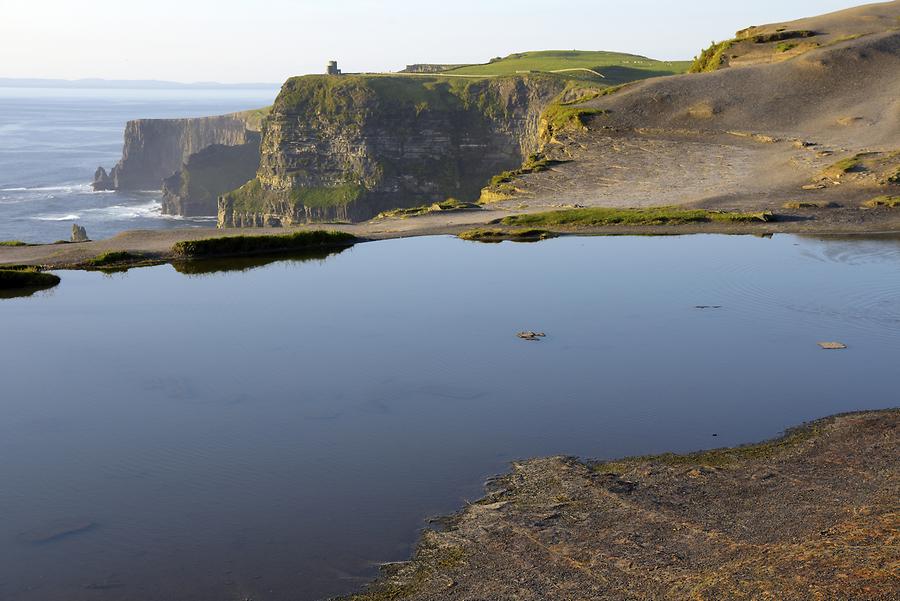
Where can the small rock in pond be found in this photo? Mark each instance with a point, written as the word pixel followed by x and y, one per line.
pixel 531 335
pixel 833 346
pixel 109 584
pixel 56 530
pixel 79 234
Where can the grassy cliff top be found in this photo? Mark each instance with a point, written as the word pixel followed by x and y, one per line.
pixel 328 94
pixel 254 117
pixel 609 67
pixel 345 94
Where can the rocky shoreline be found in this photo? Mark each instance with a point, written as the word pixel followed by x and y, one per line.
pixel 810 515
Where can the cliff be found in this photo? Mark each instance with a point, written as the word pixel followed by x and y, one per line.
pixel 194 189
pixel 155 149
pixel 346 148
pixel 430 68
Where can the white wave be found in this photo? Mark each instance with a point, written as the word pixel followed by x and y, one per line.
pixel 150 209
pixel 70 188
pixel 66 188
pixel 70 217
pixel 183 218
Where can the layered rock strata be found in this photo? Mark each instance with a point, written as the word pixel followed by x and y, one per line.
pixel 346 148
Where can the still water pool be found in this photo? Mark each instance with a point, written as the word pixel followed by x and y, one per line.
pixel 274 430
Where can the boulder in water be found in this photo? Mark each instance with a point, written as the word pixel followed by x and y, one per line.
pixel 833 346
pixel 56 530
pixel 534 336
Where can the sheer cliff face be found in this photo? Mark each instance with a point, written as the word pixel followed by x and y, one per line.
pixel 348 147
pixel 193 190
pixel 154 149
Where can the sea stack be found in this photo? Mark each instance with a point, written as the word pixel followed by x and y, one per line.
pixel 102 180
pixel 79 234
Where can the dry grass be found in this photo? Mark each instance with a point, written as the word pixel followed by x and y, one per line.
pixel 811 515
pixel 885 201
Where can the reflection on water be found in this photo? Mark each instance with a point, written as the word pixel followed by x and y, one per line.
pixel 222 265
pixel 274 432
pixel 852 249
pixel 11 280
pixel 23 292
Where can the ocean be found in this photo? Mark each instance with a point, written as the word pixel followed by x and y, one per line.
pixel 52 141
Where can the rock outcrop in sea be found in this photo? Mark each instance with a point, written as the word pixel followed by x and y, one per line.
pixel 102 181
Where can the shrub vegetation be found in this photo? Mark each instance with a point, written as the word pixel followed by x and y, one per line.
pixel 112 258
pixel 249 245
pixel 498 235
pixel 11 279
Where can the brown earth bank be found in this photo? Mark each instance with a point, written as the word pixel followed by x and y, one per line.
pixel 156 245
pixel 812 515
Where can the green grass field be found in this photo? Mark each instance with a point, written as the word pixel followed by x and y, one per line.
pixel 612 67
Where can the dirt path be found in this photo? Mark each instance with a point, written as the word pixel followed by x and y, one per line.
pixel 650 168
pixel 157 244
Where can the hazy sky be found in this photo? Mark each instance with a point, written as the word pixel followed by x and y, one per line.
pixel 269 40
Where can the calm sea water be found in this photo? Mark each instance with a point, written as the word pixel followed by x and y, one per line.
pixel 51 141
pixel 275 432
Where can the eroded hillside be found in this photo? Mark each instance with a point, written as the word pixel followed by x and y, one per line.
pixel 752 134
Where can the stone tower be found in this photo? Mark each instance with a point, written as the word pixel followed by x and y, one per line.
pixel 332 68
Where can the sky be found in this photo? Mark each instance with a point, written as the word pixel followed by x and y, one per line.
pixel 234 41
